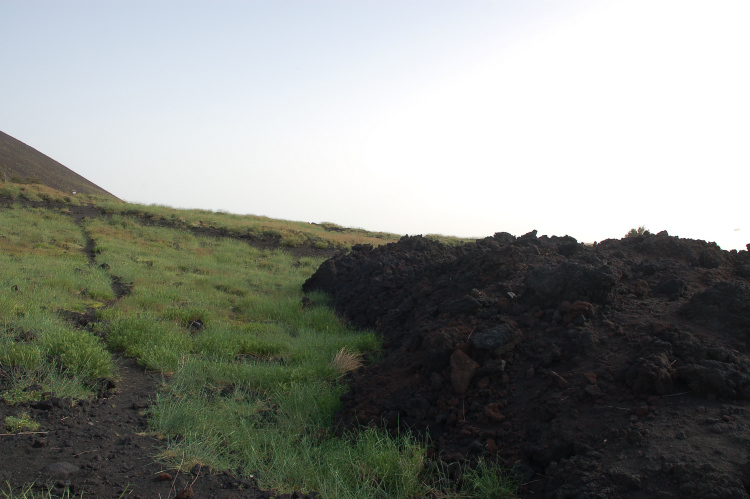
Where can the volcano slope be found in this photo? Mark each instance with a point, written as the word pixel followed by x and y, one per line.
pixel 615 370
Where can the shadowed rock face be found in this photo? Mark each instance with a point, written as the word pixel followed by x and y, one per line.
pixel 582 365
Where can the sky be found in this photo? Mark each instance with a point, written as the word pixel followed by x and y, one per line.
pixel 465 118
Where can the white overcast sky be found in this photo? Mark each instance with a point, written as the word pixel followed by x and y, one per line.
pixel 460 117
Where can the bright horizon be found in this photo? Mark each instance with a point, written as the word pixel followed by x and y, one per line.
pixel 461 118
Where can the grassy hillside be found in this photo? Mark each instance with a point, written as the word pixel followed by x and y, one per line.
pixel 22 163
pixel 253 376
pixel 284 233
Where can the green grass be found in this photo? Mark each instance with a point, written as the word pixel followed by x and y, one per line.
pixel 252 380
pixel 23 189
pixel 40 254
pixel 28 492
pixel 488 480
pixel 290 234
pixel 45 270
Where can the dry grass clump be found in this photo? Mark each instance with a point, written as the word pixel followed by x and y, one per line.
pixel 345 361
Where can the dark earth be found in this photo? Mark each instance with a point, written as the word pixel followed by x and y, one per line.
pixel 620 369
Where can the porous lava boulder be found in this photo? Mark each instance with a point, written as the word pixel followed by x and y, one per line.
pixel 614 370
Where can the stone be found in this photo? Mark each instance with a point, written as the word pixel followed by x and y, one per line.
pixel 185 493
pixel 593 391
pixel 43 405
pixel 650 375
pixel 463 369
pixel 438 346
pixel 493 338
pixel 465 305
pixel 561 382
pixel 709 259
pixel 59 470
pixel 436 381
pixel 503 238
pixel 582 308
pixel 671 285
pixel 491 446
pixel 40 442
pixel 568 249
pixel 492 411
pixel 475 448
pixel 640 288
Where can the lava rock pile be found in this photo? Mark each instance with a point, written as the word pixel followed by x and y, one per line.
pixel 620 369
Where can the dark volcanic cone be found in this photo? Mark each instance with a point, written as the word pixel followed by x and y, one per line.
pixel 18 160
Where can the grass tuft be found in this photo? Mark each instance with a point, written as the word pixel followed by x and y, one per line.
pixel 345 361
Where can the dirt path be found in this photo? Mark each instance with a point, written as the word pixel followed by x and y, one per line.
pixel 102 447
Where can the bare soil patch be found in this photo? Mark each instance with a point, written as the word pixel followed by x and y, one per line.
pixel 102 448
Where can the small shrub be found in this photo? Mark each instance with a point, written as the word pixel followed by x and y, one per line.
pixel 21 423
pixel 640 231
pixel 10 191
pixel 321 244
pixel 31 196
pixel 291 241
pixel 346 361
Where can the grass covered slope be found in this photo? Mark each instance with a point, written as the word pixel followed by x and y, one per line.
pixel 287 233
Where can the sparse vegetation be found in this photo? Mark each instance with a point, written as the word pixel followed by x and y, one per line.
pixel 346 361
pixel 640 231
pixel 488 480
pixel 288 233
pixel 39 192
pixel 20 423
